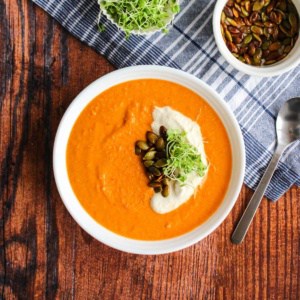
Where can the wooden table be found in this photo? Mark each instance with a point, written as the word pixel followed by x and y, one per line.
pixel 44 254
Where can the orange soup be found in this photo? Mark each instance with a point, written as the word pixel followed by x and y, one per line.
pixel 109 179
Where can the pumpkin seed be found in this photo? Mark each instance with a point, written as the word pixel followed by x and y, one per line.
pixel 165 192
pixel 245 12
pixel 235 12
pixel 247 59
pixel 149 155
pixel 158 189
pixel 228 36
pixel 148 163
pixel 165 181
pixel 160 154
pixel 257 37
pixel 265 45
pixel 163 131
pixel 233 30
pixel 154 171
pixel 252 49
pixel 275 46
pixel 245 29
pixel 151 137
pixel 258 5
pixel 254 17
pixel 287 49
pixel 232 22
pixel 248 39
pixel 142 145
pixel 282 5
pixel 257 30
pixel 137 150
pixel 228 11
pixel 161 163
pixel 160 144
pixel 294 23
pixel 154 184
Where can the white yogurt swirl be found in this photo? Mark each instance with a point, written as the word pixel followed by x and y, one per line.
pixel 172 119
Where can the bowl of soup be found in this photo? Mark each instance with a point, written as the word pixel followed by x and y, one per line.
pixel 102 181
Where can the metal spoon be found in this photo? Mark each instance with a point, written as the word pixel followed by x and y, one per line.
pixel 288 131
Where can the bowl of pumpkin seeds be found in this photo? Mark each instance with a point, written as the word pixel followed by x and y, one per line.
pixel 258 37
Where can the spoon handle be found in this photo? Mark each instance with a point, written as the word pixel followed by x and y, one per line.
pixel 245 221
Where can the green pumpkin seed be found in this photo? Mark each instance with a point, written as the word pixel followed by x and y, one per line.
pixel 142 145
pixel 137 150
pixel 257 30
pixel 163 131
pixel 265 45
pixel 248 39
pixel 151 137
pixel 161 163
pixel 232 22
pixel 285 31
pixel 282 5
pixel 287 49
pixel 165 192
pixel 149 155
pixel 244 12
pixel 160 144
pixel 154 171
pixel 270 62
pixel 228 36
pixel 148 163
pixel 165 181
pixel 264 17
pixel 294 23
pixel 287 41
pixel 158 189
pixel 257 37
pixel 258 5
pixel 154 184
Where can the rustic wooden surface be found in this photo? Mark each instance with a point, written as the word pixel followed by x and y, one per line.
pixel 45 255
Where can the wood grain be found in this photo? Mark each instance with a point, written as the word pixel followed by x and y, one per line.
pixel 45 255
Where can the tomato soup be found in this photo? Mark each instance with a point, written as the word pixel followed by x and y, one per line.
pixel 109 179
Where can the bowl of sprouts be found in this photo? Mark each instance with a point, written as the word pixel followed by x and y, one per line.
pixel 140 17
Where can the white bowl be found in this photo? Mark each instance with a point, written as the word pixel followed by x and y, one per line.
pixel 149 31
pixel 288 63
pixel 86 221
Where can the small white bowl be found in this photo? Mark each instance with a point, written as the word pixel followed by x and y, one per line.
pixel 288 63
pixel 86 221
pixel 149 31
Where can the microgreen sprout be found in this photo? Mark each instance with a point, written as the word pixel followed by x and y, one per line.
pixel 140 15
pixel 182 158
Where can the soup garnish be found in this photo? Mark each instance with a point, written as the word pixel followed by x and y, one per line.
pixel 169 156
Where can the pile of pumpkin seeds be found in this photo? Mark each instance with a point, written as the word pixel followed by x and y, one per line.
pixel 260 32
pixel 154 158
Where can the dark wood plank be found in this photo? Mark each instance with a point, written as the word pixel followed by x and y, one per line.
pixel 45 255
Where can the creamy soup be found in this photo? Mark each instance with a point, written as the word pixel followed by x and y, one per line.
pixel 109 179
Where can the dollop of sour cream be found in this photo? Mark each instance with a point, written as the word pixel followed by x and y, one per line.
pixel 178 194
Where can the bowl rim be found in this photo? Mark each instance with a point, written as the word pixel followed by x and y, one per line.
pixel 99 232
pixel 289 62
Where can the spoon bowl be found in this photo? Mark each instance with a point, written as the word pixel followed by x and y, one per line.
pixel 288 122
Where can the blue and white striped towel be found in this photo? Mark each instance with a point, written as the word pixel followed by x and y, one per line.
pixel 190 46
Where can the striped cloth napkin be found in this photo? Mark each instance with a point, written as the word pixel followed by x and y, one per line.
pixel 190 46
